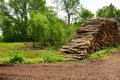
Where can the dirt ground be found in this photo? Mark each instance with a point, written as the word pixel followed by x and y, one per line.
pixel 108 69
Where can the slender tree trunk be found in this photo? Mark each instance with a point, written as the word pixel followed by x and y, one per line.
pixel 69 19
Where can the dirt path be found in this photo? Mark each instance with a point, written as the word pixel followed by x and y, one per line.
pixel 100 70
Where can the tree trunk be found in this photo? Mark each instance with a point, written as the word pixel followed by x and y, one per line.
pixel 68 19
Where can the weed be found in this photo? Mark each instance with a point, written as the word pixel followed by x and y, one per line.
pixel 98 55
pixel 4 60
pixel 33 61
pixel 6 45
pixel 102 53
pixel 16 57
pixel 51 56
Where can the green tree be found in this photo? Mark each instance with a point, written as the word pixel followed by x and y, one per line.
pixel 37 27
pixel 82 15
pixel 69 6
pixel 48 30
pixel 107 11
pixel 16 13
pixel 118 15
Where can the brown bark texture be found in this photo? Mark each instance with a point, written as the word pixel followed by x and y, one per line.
pixel 94 35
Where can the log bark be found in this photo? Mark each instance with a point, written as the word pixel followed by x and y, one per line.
pixel 93 36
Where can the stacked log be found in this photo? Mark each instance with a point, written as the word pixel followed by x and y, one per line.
pixel 93 36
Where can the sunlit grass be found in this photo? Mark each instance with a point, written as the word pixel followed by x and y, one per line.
pixel 6 45
pixel 37 56
pixel 102 54
pixel 30 56
pixel 33 61
pixel 4 60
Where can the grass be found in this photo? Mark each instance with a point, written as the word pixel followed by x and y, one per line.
pixel 102 54
pixel 8 54
pixel 6 45
pixel 33 61
pixel 49 56
pixel 4 60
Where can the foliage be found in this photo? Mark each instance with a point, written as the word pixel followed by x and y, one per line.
pixel 8 46
pixel 69 6
pixel 15 15
pixel 4 60
pixel 102 53
pixel 48 31
pixel 38 56
pixel 27 56
pixel 82 15
pixel 37 27
pixel 51 56
pixel 31 20
pixel 16 57
pixel 98 55
pixel 45 56
pixel 1 37
pixel 108 12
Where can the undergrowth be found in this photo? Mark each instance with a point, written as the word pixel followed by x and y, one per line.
pixel 8 55
pixel 16 57
pixel 102 54
pixel 7 45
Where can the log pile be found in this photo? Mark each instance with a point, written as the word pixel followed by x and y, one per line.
pixel 93 36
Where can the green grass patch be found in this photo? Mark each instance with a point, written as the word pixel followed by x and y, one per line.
pixel 102 54
pixel 21 56
pixel 8 54
pixel 42 56
pixel 52 56
pixel 5 53
pixel 33 61
pixel 6 45
pixel 4 60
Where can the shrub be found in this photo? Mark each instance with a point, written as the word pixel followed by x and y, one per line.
pixel 49 32
pixel 98 55
pixel 103 53
pixel 16 57
pixel 52 57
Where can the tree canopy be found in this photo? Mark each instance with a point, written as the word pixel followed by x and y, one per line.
pixel 15 15
pixel 31 20
pixel 82 15
pixel 69 6
pixel 108 11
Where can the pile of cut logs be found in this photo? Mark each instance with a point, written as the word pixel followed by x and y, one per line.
pixel 93 36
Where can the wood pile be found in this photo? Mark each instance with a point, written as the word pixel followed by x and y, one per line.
pixel 93 36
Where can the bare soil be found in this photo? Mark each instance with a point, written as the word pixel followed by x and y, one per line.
pixel 108 69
